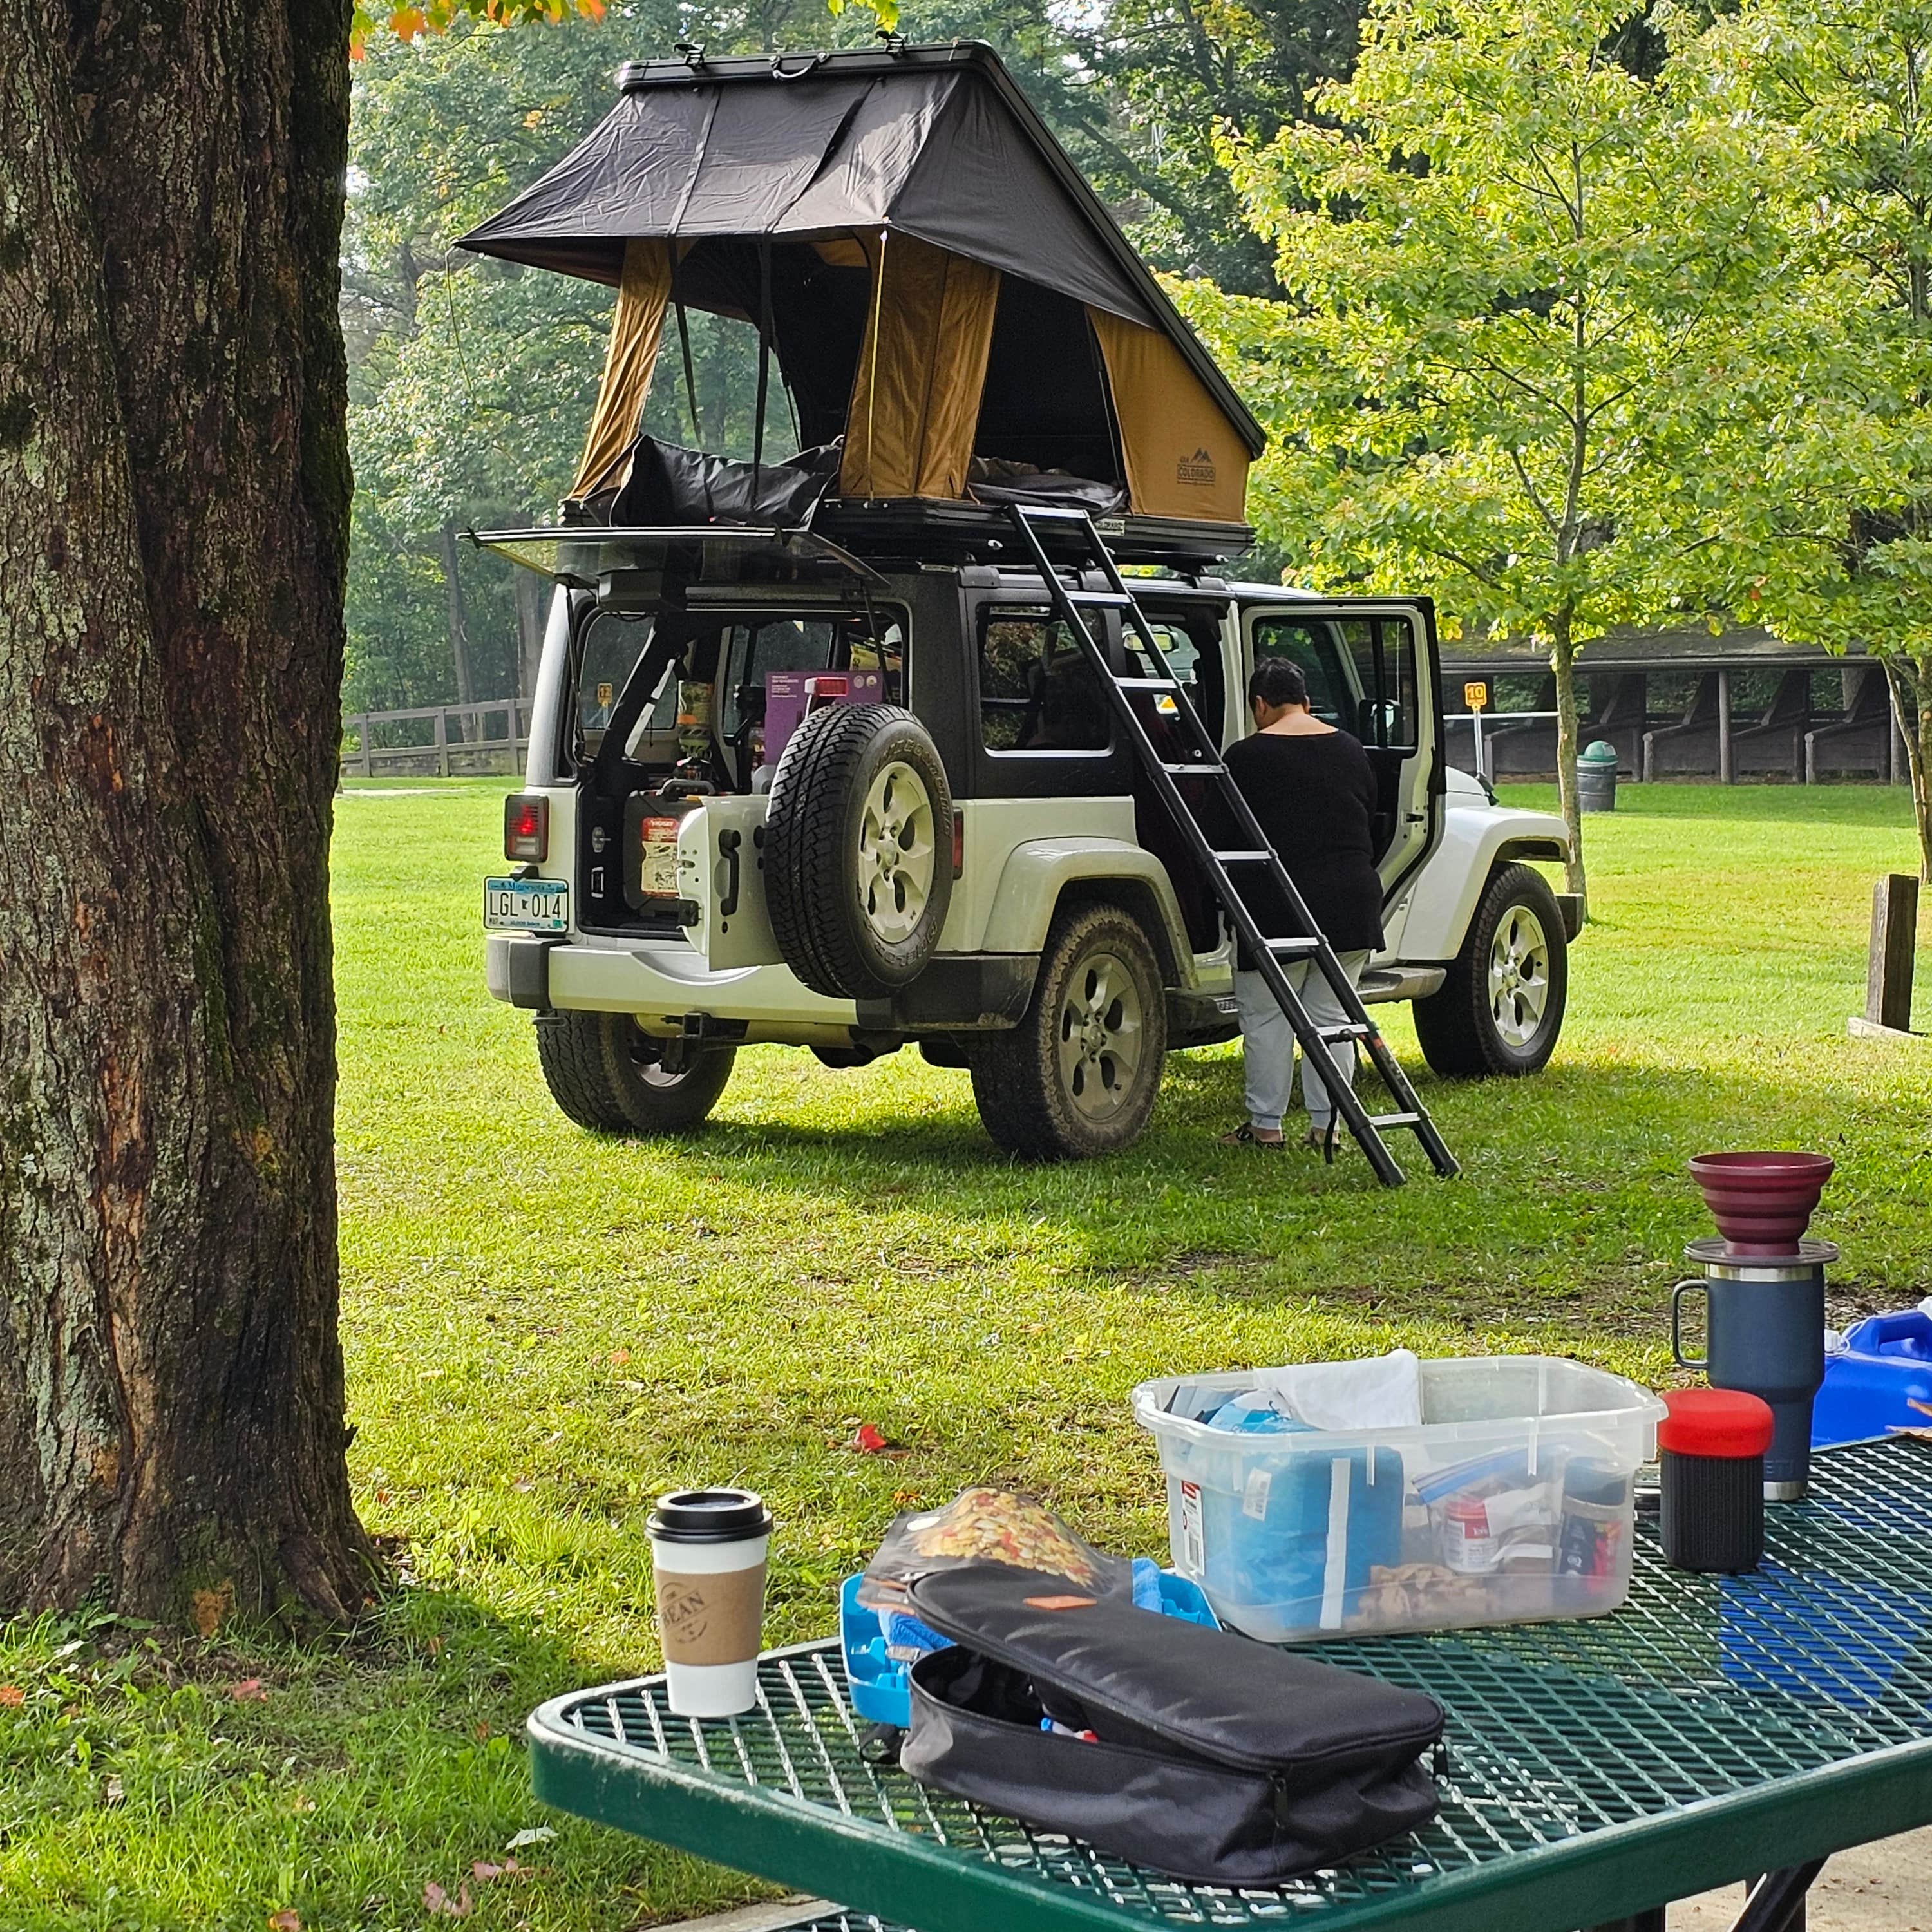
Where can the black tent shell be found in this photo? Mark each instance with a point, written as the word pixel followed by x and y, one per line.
pixel 937 143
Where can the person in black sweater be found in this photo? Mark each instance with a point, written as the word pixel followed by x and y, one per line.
pixel 1311 788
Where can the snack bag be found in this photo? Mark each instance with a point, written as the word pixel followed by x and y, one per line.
pixel 986 1526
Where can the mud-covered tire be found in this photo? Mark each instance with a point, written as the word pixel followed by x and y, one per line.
pixel 1078 1075
pixel 608 1075
pixel 858 851
pixel 1501 1008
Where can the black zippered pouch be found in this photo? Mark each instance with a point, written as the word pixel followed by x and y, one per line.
pixel 1200 1753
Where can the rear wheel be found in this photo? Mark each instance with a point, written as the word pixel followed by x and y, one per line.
pixel 1501 1008
pixel 608 1074
pixel 1078 1076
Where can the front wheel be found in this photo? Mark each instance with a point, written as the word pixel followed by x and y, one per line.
pixel 610 1076
pixel 1501 1008
pixel 1078 1076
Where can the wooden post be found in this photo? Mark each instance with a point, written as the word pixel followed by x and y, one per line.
pixel 1724 727
pixel 1894 931
pixel 442 742
pixel 368 746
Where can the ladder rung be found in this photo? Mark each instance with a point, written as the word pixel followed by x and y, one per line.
pixel 1148 683
pixel 1300 947
pixel 1344 1032
pixel 1193 771
pixel 1244 858
pixel 1395 1120
pixel 1105 600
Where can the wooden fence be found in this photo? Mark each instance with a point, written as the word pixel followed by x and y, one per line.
pixel 486 740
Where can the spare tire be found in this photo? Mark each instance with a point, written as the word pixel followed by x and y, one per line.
pixel 859 850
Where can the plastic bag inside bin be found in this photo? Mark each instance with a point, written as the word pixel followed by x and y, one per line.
pixel 1384 1392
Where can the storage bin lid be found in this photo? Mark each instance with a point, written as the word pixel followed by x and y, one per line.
pixel 1727 1424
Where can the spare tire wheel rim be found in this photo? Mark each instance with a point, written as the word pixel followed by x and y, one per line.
pixel 1101 1035
pixel 1519 977
pixel 897 852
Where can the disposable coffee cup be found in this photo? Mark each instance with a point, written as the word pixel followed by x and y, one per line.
pixel 708 1550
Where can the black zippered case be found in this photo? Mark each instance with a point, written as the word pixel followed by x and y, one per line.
pixel 1200 1753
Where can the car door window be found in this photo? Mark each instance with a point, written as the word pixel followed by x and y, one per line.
pixel 1383 649
pixel 1314 645
pixel 1190 641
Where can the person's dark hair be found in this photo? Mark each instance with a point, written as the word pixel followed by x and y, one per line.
pixel 1277 681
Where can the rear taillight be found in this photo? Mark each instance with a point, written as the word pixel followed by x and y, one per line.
pixel 526 828
pixel 958 841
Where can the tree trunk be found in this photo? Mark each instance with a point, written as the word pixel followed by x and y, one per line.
pixel 1909 680
pixel 174 501
pixel 459 622
pixel 1563 662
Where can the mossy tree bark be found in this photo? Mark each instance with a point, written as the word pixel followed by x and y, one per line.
pixel 174 498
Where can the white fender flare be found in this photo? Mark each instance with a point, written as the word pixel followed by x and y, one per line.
pixel 1476 838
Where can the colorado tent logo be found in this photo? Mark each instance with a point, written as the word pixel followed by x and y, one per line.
pixel 1198 469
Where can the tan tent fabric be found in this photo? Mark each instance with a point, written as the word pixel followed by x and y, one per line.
pixel 1184 457
pixel 636 331
pixel 922 367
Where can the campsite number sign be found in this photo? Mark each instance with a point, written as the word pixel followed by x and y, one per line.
pixel 1476 695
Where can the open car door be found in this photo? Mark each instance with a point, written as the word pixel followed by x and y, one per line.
pixel 1371 667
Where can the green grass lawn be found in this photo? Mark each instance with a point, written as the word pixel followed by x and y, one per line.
pixel 545 1329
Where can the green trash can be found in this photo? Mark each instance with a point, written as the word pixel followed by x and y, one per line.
pixel 1597 777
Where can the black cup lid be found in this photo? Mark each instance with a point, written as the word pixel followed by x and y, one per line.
pixel 710 1516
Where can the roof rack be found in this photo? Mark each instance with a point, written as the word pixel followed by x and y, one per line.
pixel 846 542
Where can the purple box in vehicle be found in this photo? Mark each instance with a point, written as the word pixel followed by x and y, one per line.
pixel 789 694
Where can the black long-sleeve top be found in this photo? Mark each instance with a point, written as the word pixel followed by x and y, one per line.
pixel 1314 797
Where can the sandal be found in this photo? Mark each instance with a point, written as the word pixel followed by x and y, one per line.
pixel 1244 1135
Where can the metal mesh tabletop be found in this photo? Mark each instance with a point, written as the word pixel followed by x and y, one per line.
pixel 1714 1728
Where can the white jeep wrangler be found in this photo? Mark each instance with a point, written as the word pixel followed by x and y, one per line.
pixel 774 794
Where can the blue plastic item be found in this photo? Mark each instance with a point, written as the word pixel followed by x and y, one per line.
pixel 1886 1367
pixel 1304 1532
pixel 878 1686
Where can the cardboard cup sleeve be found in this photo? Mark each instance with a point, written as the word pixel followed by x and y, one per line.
pixel 712 1618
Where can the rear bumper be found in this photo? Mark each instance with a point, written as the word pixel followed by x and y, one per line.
pixel 516 968
pixel 959 992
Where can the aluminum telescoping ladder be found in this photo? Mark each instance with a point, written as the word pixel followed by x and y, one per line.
pixel 1253 854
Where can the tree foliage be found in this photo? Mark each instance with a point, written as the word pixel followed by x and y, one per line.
pixel 1822 488
pixel 1507 258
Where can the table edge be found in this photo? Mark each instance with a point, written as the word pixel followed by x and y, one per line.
pixel 1729 1838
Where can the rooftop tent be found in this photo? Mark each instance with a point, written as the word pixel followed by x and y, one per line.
pixel 936 281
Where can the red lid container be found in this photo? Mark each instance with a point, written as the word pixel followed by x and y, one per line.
pixel 1726 1423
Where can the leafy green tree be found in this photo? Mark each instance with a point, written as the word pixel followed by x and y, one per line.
pixel 1505 254
pixel 1827 508
pixel 1163 80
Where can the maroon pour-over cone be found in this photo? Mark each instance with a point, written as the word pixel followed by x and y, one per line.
pixel 1761 1203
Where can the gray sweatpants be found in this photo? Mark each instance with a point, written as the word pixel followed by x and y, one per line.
pixel 1267 1042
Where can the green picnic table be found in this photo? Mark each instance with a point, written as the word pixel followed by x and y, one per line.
pixel 1714 1730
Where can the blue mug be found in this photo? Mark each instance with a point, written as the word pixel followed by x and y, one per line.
pixel 1764 1333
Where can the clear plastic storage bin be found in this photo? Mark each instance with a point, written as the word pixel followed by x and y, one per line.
pixel 1511 1502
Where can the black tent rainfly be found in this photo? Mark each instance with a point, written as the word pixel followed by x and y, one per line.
pixel 956 315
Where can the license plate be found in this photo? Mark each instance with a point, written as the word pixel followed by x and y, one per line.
pixel 657 875
pixel 526 905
